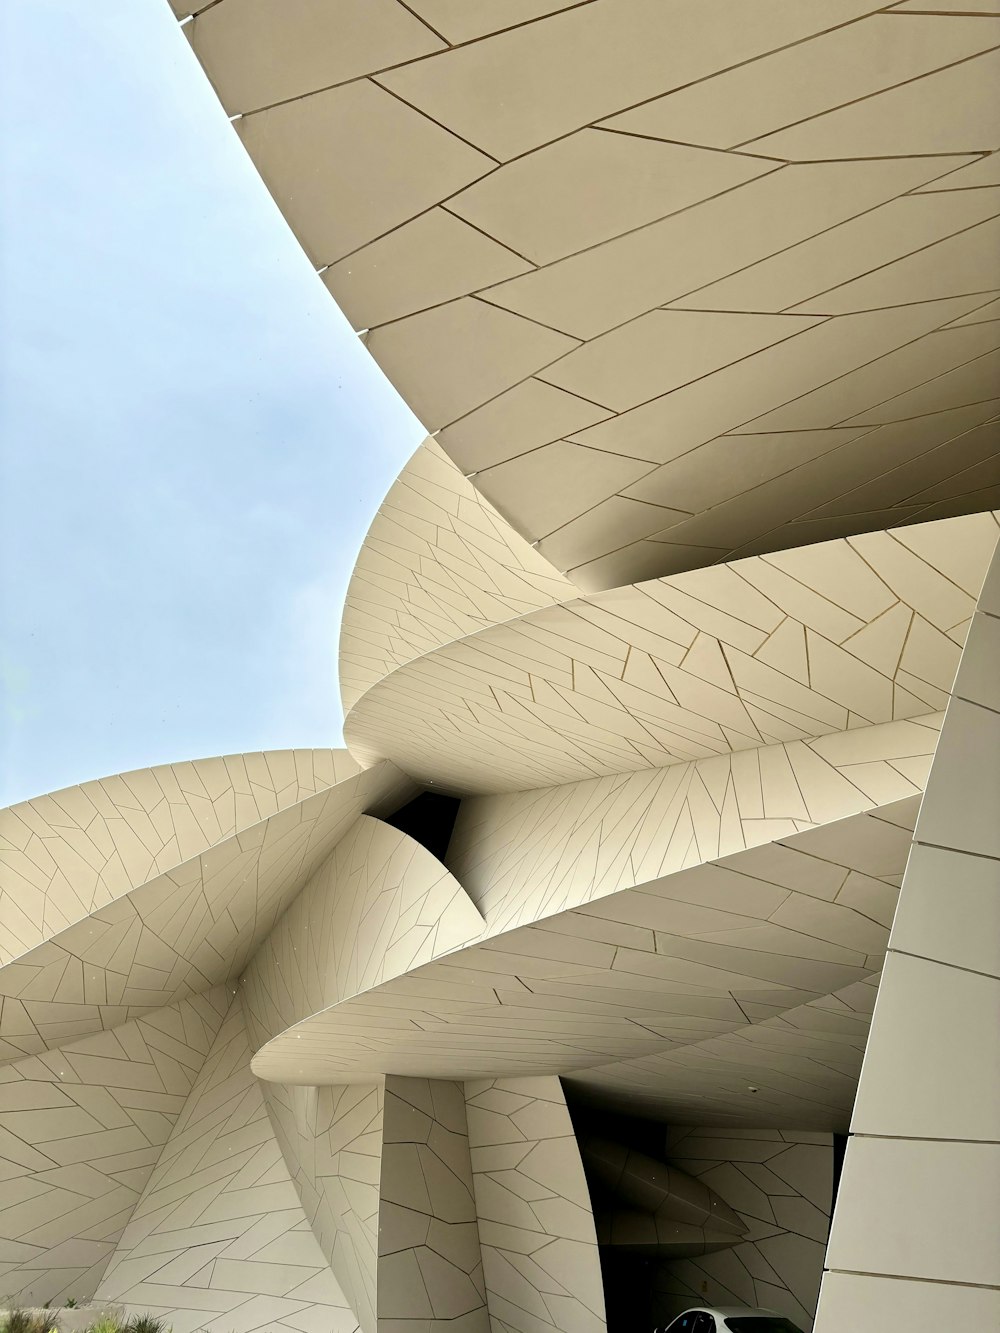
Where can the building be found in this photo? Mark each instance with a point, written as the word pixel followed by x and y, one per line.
pixel 670 671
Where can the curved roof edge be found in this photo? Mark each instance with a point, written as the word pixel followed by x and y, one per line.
pixel 438 563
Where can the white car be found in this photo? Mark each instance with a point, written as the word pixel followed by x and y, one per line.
pixel 730 1319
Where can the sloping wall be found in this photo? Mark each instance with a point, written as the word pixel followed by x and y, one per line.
pixel 331 1140
pixel 536 1226
pixel 915 1242
pixel 219 1240
pixel 69 853
pixel 94 933
pixel 380 904
pixel 81 1130
pixel 529 855
pixel 430 1269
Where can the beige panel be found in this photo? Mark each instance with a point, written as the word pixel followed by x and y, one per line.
pixel 81 1129
pixel 798 1064
pixel 257 53
pixel 178 933
pixel 952 1189
pixel 954 1013
pixel 459 21
pixel 860 245
pixel 652 155
pixel 881 390
pixel 924 1130
pixel 961 925
pixel 672 963
pixel 597 290
pixel 591 186
pixel 818 360
pixel 593 61
pixel 915 458
pixel 430 1269
pixel 584 476
pixel 600 529
pixel 796 84
pixel 644 560
pixel 986 171
pixel 530 414
pixel 965 263
pixel 562 860
pixel 383 161
pixel 970 382
pixel 378 906
pixel 866 1304
pixel 987 312
pixel 731 465
pixel 219 1239
pixel 903 120
pixel 432 259
pixel 536 1225
pixel 438 563
pixel 952 6
pixel 677 669
pixel 963 816
pixel 449 360
pixel 331 1140
pixel 663 350
pixel 72 852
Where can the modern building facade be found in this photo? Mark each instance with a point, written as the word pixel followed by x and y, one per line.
pixel 654 904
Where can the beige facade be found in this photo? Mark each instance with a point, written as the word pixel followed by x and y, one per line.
pixel 925 1120
pixel 666 820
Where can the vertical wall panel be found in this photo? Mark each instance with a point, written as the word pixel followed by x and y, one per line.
pixel 430 1270
pixel 536 1225
pixel 331 1140
pixel 916 1233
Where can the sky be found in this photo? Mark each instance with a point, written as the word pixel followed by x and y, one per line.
pixel 192 440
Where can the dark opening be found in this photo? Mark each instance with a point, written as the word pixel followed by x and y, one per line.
pixel 839 1148
pixel 428 819
pixel 635 1297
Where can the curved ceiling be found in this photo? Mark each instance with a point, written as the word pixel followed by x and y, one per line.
pixel 72 851
pixel 647 973
pixel 671 289
pixel 161 937
pixel 437 564
pixel 773 648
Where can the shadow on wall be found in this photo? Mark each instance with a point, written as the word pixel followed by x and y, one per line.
pixel 643 1205
pixel 769 1196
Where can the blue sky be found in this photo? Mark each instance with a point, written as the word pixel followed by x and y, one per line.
pixel 193 441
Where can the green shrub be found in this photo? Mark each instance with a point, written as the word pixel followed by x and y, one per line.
pixel 144 1323
pixel 24 1321
pixel 106 1324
